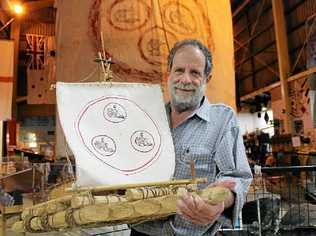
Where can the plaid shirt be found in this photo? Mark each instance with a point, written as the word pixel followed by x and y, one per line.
pixel 210 137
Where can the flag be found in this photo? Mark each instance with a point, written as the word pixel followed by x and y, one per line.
pixel 35 46
pixel 40 69
pixel 36 86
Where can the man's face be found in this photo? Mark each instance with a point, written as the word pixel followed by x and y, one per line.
pixel 187 80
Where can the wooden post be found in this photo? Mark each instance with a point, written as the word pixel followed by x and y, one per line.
pixel 283 58
pixel 252 58
pixel 15 35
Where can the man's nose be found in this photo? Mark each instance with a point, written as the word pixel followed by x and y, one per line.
pixel 185 79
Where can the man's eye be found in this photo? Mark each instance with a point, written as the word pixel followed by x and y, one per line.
pixel 195 73
pixel 178 71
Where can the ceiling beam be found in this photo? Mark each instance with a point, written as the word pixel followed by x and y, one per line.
pixel 37 5
pixel 251 23
pixel 260 61
pixel 267 66
pixel 301 75
pixel 259 91
pixel 4 18
pixel 240 7
pixel 240 63
pixel 256 35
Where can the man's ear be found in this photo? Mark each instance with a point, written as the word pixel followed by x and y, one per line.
pixel 208 78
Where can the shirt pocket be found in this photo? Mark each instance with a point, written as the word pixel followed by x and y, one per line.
pixel 203 160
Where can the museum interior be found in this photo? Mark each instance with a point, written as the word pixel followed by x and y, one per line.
pixel 104 162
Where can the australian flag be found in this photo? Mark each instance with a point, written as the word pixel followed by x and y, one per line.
pixel 35 47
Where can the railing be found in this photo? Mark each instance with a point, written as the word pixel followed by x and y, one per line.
pixel 280 201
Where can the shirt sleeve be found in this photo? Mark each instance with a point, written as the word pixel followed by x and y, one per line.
pixel 156 227
pixel 232 163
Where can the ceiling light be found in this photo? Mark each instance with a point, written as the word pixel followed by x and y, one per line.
pixel 18 9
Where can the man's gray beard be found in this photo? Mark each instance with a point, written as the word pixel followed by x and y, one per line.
pixel 193 103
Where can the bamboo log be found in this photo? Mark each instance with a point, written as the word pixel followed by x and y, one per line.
pixel 143 193
pixel 215 195
pixel 128 186
pixel 121 212
pixel 80 201
pixel 45 209
pixel 58 220
pixel 51 206
pixel 92 214
pixel 18 227
pixel 161 206
pixel 146 208
pixel 36 224
pixel 87 215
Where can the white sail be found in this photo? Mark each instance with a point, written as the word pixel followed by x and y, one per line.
pixel 118 132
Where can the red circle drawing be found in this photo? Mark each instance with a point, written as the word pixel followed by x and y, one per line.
pixel 104 145
pixel 142 141
pixel 125 171
pixel 114 112
pixel 179 18
pixel 154 50
pixel 128 15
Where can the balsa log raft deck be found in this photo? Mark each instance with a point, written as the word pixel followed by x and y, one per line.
pixel 139 202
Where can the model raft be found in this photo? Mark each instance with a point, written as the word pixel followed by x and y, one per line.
pixel 112 205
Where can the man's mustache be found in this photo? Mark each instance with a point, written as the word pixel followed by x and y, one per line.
pixel 185 86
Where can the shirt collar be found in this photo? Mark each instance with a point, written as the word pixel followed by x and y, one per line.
pixel 201 112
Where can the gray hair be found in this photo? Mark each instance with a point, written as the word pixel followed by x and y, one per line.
pixel 197 44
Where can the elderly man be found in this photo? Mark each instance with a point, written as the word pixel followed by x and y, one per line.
pixel 207 134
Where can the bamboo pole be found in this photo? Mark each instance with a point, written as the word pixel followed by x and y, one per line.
pixel 142 193
pixel 128 186
pixel 80 201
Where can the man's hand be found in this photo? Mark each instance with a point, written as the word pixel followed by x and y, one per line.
pixel 230 184
pixel 195 209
